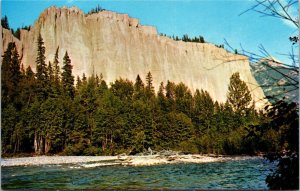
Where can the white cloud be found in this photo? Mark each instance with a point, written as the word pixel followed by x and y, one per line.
pixel 292 12
pixel 289 23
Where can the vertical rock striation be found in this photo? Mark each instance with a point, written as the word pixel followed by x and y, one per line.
pixel 118 46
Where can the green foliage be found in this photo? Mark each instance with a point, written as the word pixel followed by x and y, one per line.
pixel 170 95
pixel 284 118
pixel 123 89
pixel 52 121
pixel 203 110
pixel 4 23
pixel 44 113
pixel 17 33
pixel 41 70
pixel 67 77
pixel 40 61
pixel 96 10
pixel 149 86
pixel 182 128
pixel 183 99
pixel 7 85
pixel 139 88
pixel 220 46
pixel 8 122
pixel 27 87
pixel 238 96
pixel 56 85
pixel 162 102
pixel 186 38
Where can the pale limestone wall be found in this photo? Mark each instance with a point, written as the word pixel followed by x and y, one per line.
pixel 117 46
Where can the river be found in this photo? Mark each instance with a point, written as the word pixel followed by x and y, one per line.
pixel 238 174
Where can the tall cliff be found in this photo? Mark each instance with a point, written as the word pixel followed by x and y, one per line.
pixel 118 46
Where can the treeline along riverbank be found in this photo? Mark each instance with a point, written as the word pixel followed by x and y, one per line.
pixel 46 113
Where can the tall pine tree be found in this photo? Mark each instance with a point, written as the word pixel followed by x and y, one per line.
pixel 161 97
pixel 28 87
pixel 41 70
pixel 4 23
pixel 16 78
pixel 67 77
pixel 138 88
pixel 238 95
pixel 11 75
pixel 170 95
pixel 56 73
pixel 6 75
pixel 149 86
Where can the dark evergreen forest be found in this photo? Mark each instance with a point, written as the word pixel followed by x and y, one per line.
pixel 51 112
pixel 46 113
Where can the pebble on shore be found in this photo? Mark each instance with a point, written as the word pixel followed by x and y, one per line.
pixel 116 160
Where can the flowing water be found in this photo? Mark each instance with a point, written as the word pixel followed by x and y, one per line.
pixel 239 174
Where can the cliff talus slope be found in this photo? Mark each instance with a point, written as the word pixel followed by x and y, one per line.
pixel 118 46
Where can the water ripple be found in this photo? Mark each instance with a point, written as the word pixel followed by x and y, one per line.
pixel 243 174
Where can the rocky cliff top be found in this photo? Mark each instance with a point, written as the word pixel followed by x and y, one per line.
pixel 118 46
pixel 107 15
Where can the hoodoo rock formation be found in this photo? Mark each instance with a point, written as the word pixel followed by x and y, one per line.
pixel 118 46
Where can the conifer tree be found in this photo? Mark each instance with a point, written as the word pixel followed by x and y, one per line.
pixel 97 80
pixel 56 69
pixel 6 75
pixel 201 39
pixel 16 79
pixel 123 89
pixel 11 75
pixel 149 85
pixel 23 72
pixel 29 73
pixel 103 87
pixel 4 22
pixel 84 80
pixel 50 73
pixel 78 83
pixel 138 88
pixel 56 74
pixel 183 99
pixel 161 97
pixel 52 85
pixel 40 61
pixel 203 109
pixel 28 89
pixel 41 70
pixel 67 77
pixel 139 85
pixel 15 68
pixel 17 33
pixel 238 95
pixel 170 95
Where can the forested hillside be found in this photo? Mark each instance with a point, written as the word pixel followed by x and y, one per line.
pixel 277 80
pixel 52 112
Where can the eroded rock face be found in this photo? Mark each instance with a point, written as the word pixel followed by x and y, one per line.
pixel 118 46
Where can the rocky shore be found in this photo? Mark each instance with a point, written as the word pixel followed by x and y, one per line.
pixel 94 161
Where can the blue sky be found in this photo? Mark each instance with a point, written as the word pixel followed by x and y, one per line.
pixel 215 20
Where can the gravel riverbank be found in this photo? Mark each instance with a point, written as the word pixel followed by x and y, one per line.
pixel 93 161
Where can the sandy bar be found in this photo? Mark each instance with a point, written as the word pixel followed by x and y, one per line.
pixel 42 160
pixel 94 161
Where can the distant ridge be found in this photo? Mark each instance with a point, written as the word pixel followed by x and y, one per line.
pixel 276 79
